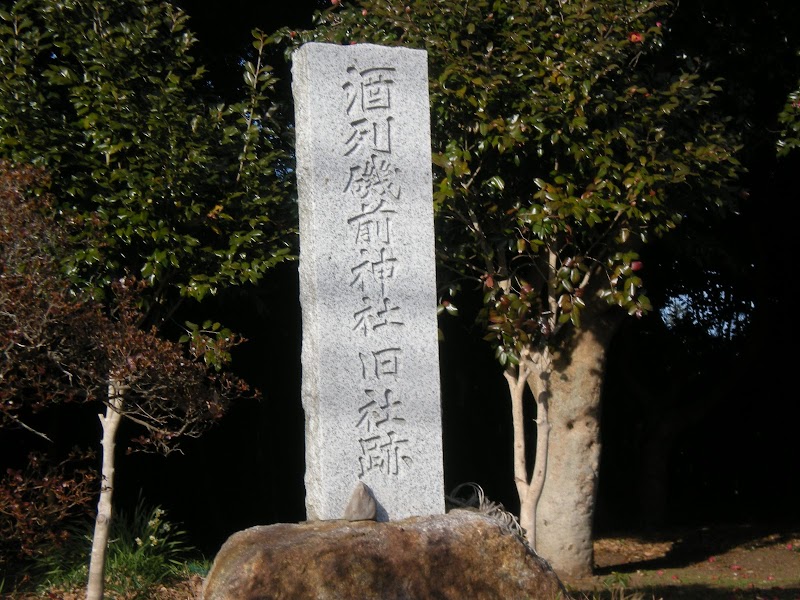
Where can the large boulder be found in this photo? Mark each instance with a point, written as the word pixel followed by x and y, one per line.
pixel 463 554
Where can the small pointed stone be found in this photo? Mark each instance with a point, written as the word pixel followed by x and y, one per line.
pixel 361 506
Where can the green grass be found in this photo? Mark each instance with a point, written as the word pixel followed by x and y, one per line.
pixel 144 550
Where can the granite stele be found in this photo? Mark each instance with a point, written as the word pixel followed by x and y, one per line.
pixel 367 280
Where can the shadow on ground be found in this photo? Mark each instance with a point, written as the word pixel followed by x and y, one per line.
pixel 689 547
pixel 687 592
pixel 730 562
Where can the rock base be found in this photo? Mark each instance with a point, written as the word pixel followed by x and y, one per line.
pixel 462 554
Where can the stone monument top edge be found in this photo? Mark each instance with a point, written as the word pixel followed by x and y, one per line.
pixel 312 47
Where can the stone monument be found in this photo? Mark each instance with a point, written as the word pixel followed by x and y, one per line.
pixel 367 280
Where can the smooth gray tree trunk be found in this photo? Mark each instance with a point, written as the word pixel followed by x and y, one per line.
pixel 529 487
pixel 95 587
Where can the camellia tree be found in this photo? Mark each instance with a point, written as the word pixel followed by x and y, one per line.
pixel 155 179
pixel 163 179
pixel 60 346
pixel 564 137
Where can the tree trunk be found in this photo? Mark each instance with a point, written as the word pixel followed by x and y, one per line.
pixel 110 422
pixel 529 489
pixel 529 501
pixel 566 508
pixel 539 476
pixel 516 390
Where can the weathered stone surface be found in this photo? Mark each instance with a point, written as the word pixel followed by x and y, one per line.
pixel 460 555
pixel 367 279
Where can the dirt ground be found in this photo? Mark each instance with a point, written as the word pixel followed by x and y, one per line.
pixel 728 562
pixel 720 563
